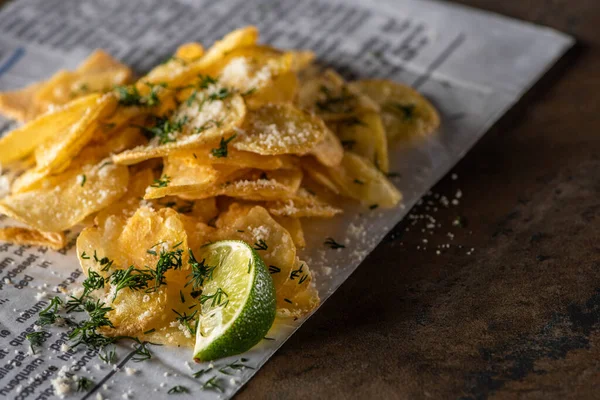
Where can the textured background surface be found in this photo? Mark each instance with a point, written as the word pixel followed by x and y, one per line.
pixel 520 316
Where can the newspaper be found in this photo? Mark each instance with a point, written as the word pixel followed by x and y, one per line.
pixel 472 65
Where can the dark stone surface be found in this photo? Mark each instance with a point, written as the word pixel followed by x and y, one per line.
pixel 520 316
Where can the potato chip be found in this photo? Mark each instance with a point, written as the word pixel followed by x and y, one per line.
pixel 365 135
pixel 255 72
pixel 243 37
pixel 208 115
pixel 302 59
pixel 279 129
pixel 256 227
pixel 94 152
pixel 22 141
pixel 241 159
pixel 405 113
pixel 356 177
pixel 68 198
pixel 329 151
pixel 303 204
pixel 201 210
pixel 319 174
pixel 296 297
pixel 98 73
pixel 254 185
pixel 55 154
pixel 331 98
pixel 164 72
pixel 140 241
pixel 198 232
pixel 128 203
pixel 20 104
pixel 18 235
pixel 294 228
pixel 180 176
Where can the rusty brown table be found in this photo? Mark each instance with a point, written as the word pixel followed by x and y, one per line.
pixel 520 316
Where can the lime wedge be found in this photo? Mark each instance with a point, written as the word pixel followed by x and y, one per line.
pixel 238 301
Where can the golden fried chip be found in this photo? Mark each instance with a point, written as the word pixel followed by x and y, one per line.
pixel 365 135
pixel 302 59
pixel 98 73
pixel 356 177
pixel 256 227
pixel 18 235
pixel 294 228
pixel 128 203
pixel 68 198
pixel 92 153
pixel 303 204
pixel 254 185
pixel 56 154
pixel 243 37
pixel 254 71
pixel 330 151
pixel 279 129
pixel 20 142
pixel 140 241
pixel 241 159
pixel 165 72
pixel 331 98
pixel 20 104
pixel 297 297
pixel 405 113
pixel 208 115
pixel 180 175
pixel 201 210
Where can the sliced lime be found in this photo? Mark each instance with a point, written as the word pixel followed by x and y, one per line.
pixel 238 301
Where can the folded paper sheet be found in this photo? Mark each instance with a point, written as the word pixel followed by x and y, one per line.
pixel 472 65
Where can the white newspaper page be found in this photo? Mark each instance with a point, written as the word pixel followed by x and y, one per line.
pixel 472 65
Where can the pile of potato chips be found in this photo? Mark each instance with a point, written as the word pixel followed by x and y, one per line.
pixel 241 141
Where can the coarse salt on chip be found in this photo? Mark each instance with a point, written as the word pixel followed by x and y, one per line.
pixel 68 198
pixel 279 129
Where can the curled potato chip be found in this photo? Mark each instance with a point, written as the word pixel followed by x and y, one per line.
pixel 357 178
pixel 208 115
pixel 20 142
pixel 57 153
pixel 164 72
pixel 181 175
pixel 329 151
pixel 20 104
pixel 279 129
pixel 18 235
pixel 262 74
pixel 68 198
pixel 98 73
pixel 254 185
pixel 303 204
pixel 94 152
pixel 243 37
pixel 294 228
pixel 297 297
pixel 235 158
pixel 201 210
pixel 365 135
pixel 255 226
pixel 130 201
pixel 405 113
pixel 138 241
pixel 302 59
pixel 331 98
